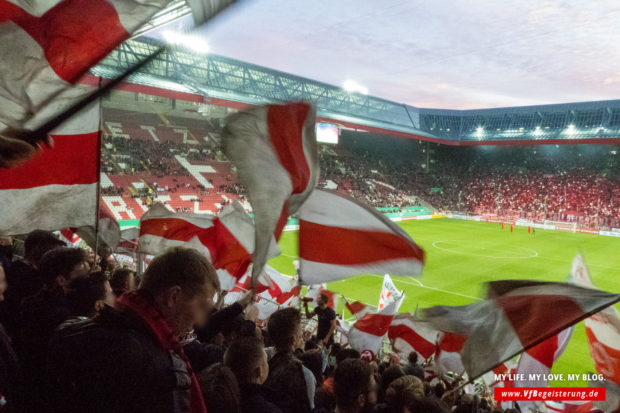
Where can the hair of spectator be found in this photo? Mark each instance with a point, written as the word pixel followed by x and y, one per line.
pixel 351 379
pixel 403 392
pixel 313 361
pixel 389 375
pixel 120 280
pixel 243 357
pixel 347 353
pixel 38 242
pixel 60 262
pixel 220 389
pixel 413 358
pixel 84 292
pixel 282 327
pixel 182 267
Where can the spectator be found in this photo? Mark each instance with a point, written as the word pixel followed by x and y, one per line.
pixel 87 296
pixel 220 390
pixel 247 359
pixel 354 387
pixel 387 377
pixel 413 368
pixel 123 280
pixel 403 393
pixel 294 383
pixel 23 278
pixel 130 359
pixel 11 377
pixel 45 311
pixel 327 321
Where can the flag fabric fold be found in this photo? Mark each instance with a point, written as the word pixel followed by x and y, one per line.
pixel 227 240
pixel 275 152
pixel 517 316
pixel 409 334
pixel 57 188
pixel 367 333
pixel 602 329
pixel 340 237
pixel 357 309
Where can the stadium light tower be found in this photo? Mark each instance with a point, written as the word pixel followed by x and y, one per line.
pixel 191 42
pixel 352 86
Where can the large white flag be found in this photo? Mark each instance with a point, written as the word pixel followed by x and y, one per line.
pixel 340 237
pixel 389 293
pixel 367 333
pixel 275 151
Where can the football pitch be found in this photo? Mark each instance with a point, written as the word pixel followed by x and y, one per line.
pixel 462 255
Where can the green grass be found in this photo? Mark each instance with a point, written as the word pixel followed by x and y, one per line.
pixel 463 255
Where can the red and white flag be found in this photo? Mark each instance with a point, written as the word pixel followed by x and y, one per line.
pixel 275 151
pixel 367 333
pixel 602 329
pixel 357 309
pixel 540 358
pixel 109 232
pixel 227 239
pixel 448 357
pixel 69 236
pixel 408 334
pixel 389 293
pixel 569 407
pixel 58 187
pixel 340 237
pixel 129 241
pixel 516 316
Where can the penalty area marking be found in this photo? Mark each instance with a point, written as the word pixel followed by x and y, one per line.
pixel 533 253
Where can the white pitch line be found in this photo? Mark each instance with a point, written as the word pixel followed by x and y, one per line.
pixel 419 284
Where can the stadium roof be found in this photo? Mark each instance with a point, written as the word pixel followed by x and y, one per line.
pixel 233 81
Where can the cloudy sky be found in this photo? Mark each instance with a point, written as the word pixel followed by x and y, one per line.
pixel 457 54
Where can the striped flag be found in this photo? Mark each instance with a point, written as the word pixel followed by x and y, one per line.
pixel 516 316
pixel 602 329
pixel 357 309
pixel 448 356
pixel 58 187
pixel 129 241
pixel 409 334
pixel 227 239
pixel 47 46
pixel 340 237
pixel 367 333
pixel 275 151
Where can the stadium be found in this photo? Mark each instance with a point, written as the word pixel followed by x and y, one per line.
pixel 511 193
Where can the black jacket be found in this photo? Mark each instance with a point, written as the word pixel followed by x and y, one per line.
pixel 255 399
pixel 114 364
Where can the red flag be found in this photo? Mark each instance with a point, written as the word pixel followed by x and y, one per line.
pixel 275 151
pixel 357 309
pixel 227 239
pixel 339 237
pixel 603 329
pixel 58 187
pixel 409 334
pixel 517 316
pixel 449 353
pixel 366 334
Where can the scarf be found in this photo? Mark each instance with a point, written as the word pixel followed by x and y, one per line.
pixel 142 304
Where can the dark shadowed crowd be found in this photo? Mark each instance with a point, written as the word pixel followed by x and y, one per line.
pixel 81 336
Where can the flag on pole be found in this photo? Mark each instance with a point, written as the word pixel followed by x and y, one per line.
pixel 367 333
pixel 389 293
pixel 602 329
pixel 227 239
pixel 275 151
pixel 516 316
pixel 58 187
pixel 448 356
pixel 109 232
pixel 340 237
pixel 357 309
pixel 129 241
pixel 408 334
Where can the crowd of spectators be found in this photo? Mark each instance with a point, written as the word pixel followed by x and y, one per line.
pixel 82 336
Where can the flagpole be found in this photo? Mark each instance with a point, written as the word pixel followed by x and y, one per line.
pixel 540 340
pixel 40 134
pixel 98 200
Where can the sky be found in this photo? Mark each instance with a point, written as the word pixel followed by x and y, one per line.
pixel 452 54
